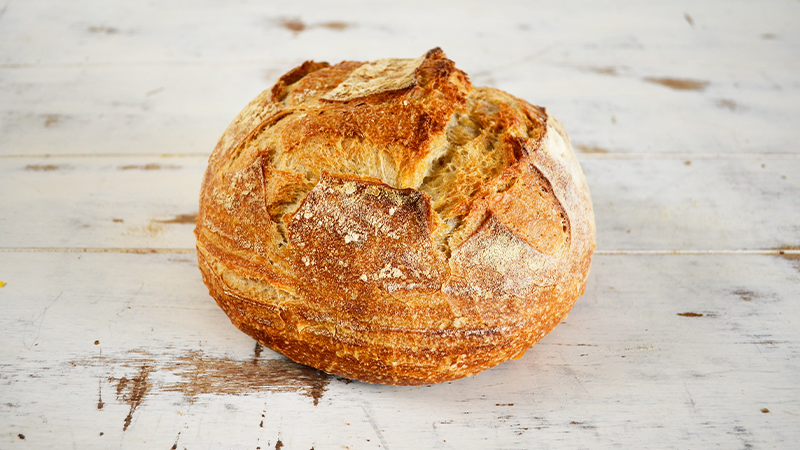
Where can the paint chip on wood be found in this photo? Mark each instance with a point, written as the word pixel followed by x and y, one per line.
pixel 133 391
pixel 195 374
pixel 680 84
pixel 296 25
pixel 336 25
pixel 200 374
pixel 604 70
pixel 149 166
pixel 190 219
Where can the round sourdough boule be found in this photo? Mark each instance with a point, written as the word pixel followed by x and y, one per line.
pixel 391 223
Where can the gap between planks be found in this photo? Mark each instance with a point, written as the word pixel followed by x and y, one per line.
pixel 597 252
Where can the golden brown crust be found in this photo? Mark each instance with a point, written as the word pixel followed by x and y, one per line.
pixel 389 222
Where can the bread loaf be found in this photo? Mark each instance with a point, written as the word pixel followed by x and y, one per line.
pixel 391 223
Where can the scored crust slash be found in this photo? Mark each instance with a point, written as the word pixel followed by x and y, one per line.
pixel 389 222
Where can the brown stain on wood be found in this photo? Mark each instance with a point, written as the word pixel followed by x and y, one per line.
pixel 198 374
pixel 335 25
pixel 100 403
pixel 591 149
pixel 257 353
pixel 790 256
pixel 190 219
pixel 794 258
pixel 203 375
pixel 582 425
pixel 133 391
pixel 690 314
pixel 297 26
pixel 727 104
pixel 149 166
pixel 745 294
pixel 177 438
pixel 679 83
pixel 43 167
pixel 51 119
pixel 604 70
pixel 101 29
pixel 278 445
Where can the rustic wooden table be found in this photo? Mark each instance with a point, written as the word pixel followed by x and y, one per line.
pixel 684 116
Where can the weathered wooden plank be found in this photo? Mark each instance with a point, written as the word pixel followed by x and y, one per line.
pixel 140 109
pixel 182 109
pixel 156 32
pixel 662 352
pixel 714 204
pixel 644 78
pixel 99 202
pixel 640 204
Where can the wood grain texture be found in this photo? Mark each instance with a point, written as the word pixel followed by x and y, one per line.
pixel 628 367
pixel 664 350
pixel 652 203
pixel 634 78
pixel 135 202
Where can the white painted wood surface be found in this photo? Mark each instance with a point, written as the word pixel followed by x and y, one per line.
pixel 653 203
pixel 684 117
